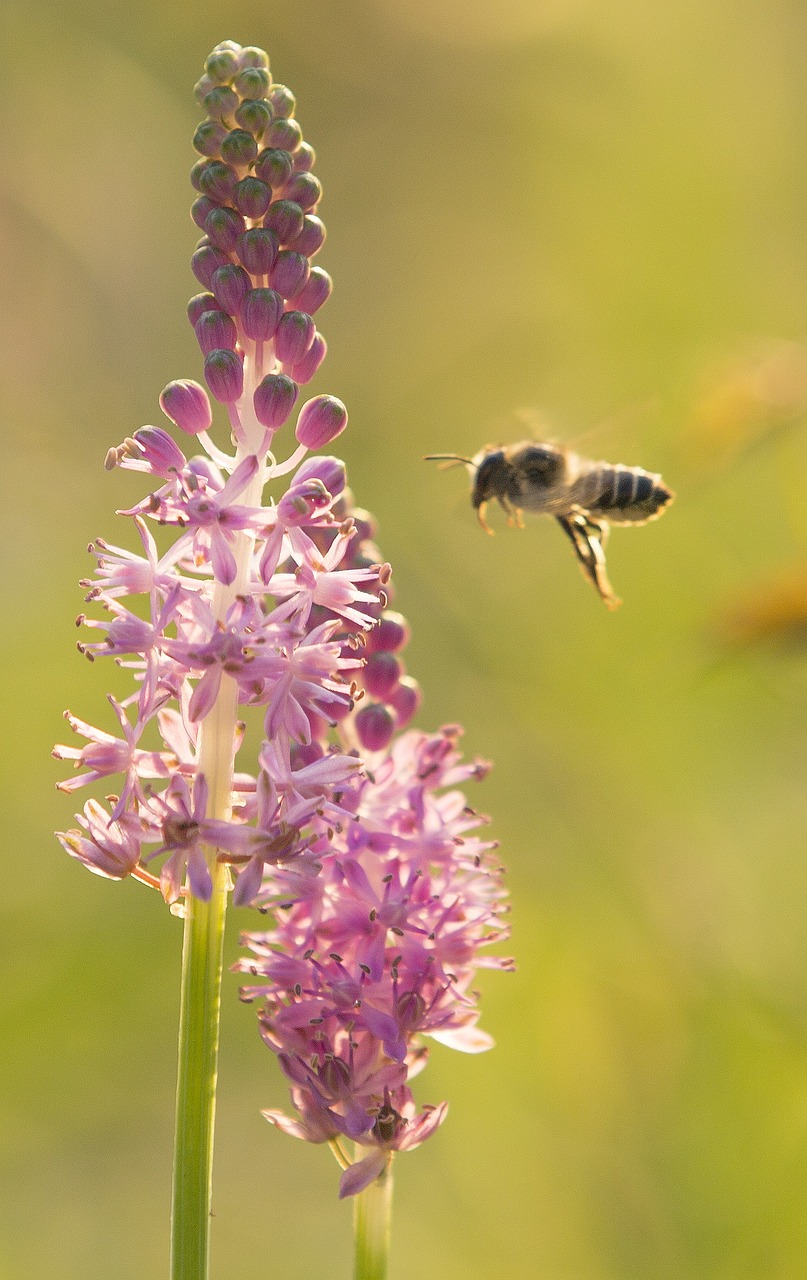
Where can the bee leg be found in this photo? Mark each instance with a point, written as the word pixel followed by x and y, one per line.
pixel 515 516
pixel 481 517
pixel 588 537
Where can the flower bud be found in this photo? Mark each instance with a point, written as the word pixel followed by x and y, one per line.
pixel 200 209
pixel 255 116
pixel 285 134
pixel 205 262
pixel 274 167
pixel 391 634
pixel 304 189
pixel 252 82
pixel 374 726
pixel 208 138
pixel 304 158
pixel 282 101
pixel 239 149
pixel 274 400
pixel 187 405
pixel 306 368
pixel 311 238
pixel 321 420
pixel 284 218
pixel 261 310
pixel 200 303
pixel 224 226
pixel 289 273
pixel 252 56
pixel 221 64
pixel 381 674
pixel 215 330
pixel 252 197
pixel 316 290
pixel 230 284
pixel 220 102
pixel 302 501
pixel 294 336
pixel 218 181
pixel 331 471
pixel 224 374
pixel 257 250
pixel 405 701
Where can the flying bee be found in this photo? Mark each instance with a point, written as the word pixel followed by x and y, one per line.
pixel 585 497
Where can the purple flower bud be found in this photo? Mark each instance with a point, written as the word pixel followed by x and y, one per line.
pixel 215 330
pixel 252 56
pixel 218 181
pixel 285 134
pixel 405 701
pixel 200 209
pixel 255 116
pixel 261 310
pixel 316 290
pixel 289 273
pixel 230 284
pixel 374 726
pixel 305 369
pixel 294 336
pixel 391 633
pixel 224 226
pixel 274 167
pixel 220 102
pixel 224 374
pixel 187 405
pixel 252 197
pixel 304 189
pixel 304 158
pixel 239 149
pixel 274 400
pixel 222 64
pixel 331 471
pixel 311 238
pixel 320 421
pixel 282 101
pixel 196 174
pixel 208 138
pixel 257 250
pixel 381 674
pixel 200 303
pixel 206 262
pixel 202 88
pixel 160 450
pixel 285 219
pixel 253 82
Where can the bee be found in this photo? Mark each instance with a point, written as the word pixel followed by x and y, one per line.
pixel 585 497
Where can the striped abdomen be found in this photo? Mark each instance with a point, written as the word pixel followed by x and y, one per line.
pixel 622 495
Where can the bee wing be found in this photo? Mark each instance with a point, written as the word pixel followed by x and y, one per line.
pixel 588 537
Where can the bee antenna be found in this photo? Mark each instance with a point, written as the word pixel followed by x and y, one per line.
pixel 452 459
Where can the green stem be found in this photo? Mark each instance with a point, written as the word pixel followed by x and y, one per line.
pixel 372 1221
pixel 196 1084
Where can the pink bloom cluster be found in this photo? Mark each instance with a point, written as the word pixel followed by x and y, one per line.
pixel 379 951
pixel 347 826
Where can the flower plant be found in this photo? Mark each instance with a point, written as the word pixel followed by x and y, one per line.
pixel 257 594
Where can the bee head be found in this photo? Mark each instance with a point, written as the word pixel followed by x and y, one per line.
pixel 490 477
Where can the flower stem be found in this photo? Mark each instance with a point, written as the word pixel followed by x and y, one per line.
pixel 196 1084
pixel 372 1220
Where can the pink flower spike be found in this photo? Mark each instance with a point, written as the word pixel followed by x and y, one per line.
pixel 187 405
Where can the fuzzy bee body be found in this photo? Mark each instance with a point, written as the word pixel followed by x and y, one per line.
pixel 585 497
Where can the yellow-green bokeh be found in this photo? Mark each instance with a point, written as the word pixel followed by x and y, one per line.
pixel 593 211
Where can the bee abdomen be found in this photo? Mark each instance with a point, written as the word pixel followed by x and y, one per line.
pixel 628 495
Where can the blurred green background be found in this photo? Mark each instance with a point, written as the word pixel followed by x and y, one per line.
pixel 596 211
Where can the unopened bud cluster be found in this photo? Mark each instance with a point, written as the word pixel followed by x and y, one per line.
pixel 256 207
